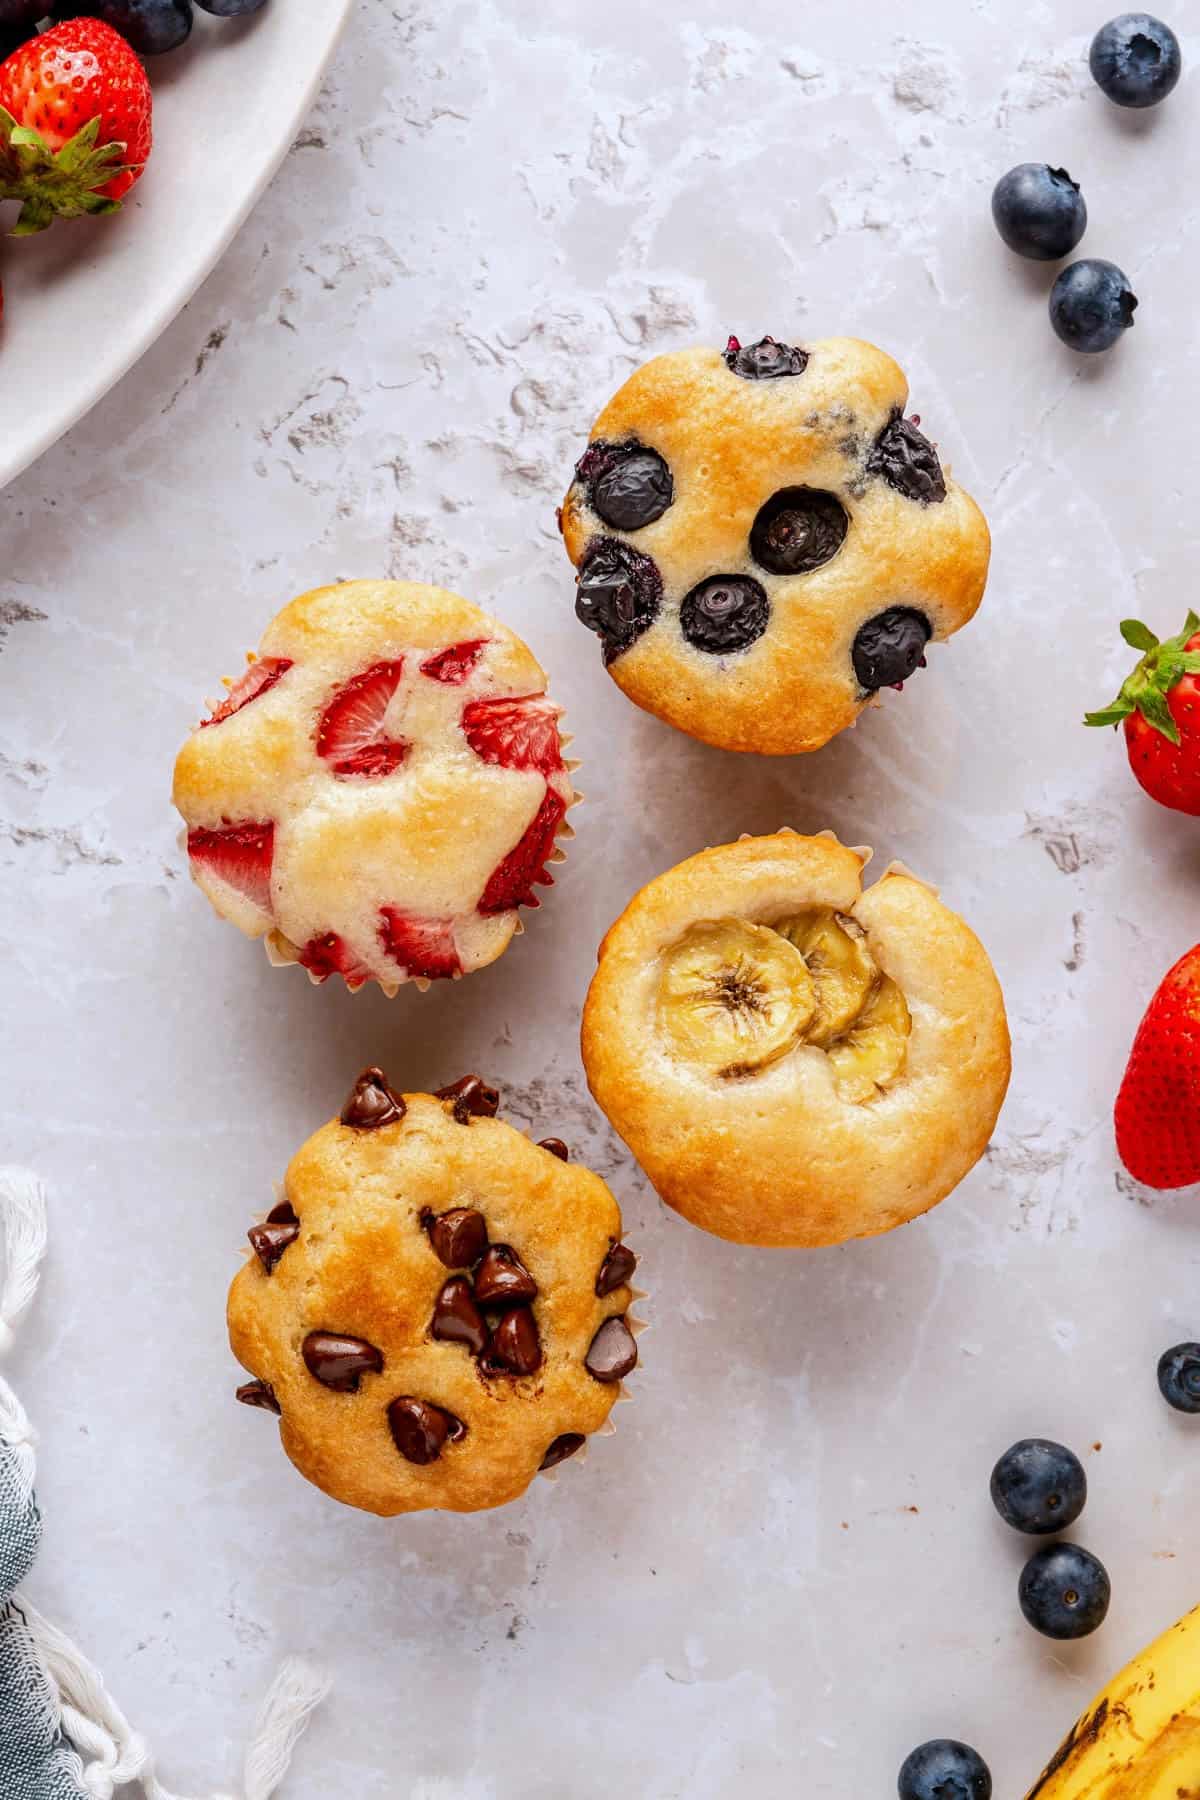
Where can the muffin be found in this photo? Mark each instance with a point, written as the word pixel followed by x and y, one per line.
pixel 764 540
pixel 383 788
pixel 794 1060
pixel 437 1308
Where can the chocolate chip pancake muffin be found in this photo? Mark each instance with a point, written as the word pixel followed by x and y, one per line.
pixel 382 789
pixel 794 1060
pixel 764 540
pixel 437 1308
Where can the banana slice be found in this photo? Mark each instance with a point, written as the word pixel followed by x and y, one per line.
pixel 734 996
pixel 841 965
pixel 872 1053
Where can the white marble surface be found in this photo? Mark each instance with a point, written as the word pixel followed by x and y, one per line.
pixel 784 1570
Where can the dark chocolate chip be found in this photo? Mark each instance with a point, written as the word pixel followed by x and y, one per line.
pixel 372 1103
pixel 908 462
pixel 270 1241
pixel 515 1347
pixel 765 361
pixel 615 1270
pixel 618 594
pixel 561 1448
pixel 503 1280
pixel 458 1237
pixel 283 1214
pixel 457 1319
pixel 258 1393
pixel 472 1097
pixel 726 612
pixel 628 485
pixel 613 1351
pixel 556 1147
pixel 420 1430
pixel 889 647
pixel 340 1362
pixel 797 530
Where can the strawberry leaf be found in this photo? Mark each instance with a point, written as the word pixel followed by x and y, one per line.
pixel 58 184
pixel 1110 715
pixel 1137 635
pixel 1161 668
pixel 1152 705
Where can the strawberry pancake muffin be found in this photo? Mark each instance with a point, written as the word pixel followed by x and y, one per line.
pixel 382 789
pixel 438 1308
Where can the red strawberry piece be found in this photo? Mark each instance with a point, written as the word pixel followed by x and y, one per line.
pixel 350 736
pixel 1157 1113
pixel 258 679
pixel 75 123
pixel 424 948
pixel 454 665
pixel 1159 706
pixel 516 734
pixel 512 883
pixel 240 856
pixel 331 955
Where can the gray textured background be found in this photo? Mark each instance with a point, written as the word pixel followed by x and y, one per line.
pixel 784 1569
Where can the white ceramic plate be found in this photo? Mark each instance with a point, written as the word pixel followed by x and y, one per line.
pixel 85 299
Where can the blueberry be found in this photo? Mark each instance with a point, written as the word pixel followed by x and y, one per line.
pixel 797 530
pixel 726 612
pixel 1039 1486
pixel 908 462
pixel 149 26
pixel 628 485
pixel 1064 1591
pixel 1179 1377
pixel 944 1769
pixel 1039 211
pixel 231 9
pixel 1135 60
pixel 618 594
pixel 1091 304
pixel 889 647
pixel 765 361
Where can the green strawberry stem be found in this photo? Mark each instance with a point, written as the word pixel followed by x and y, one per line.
pixel 1160 668
pixel 56 184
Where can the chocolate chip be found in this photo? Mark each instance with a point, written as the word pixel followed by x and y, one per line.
pixel 515 1345
pixel 458 1237
pixel 372 1103
pixel 561 1448
pixel 556 1147
pixel 472 1097
pixel 797 530
pixel 726 612
pixel 283 1214
pixel 340 1362
pixel 628 485
pixel 618 594
pixel 457 1319
pixel 889 647
pixel 503 1280
pixel 765 361
pixel 613 1351
pixel 420 1430
pixel 270 1241
pixel 615 1270
pixel 258 1393
pixel 908 462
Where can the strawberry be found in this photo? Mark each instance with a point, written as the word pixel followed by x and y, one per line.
pixel 350 735
pixel 424 948
pixel 75 123
pixel 258 679
pixel 238 855
pixel 512 883
pixel 1158 1108
pixel 331 955
pixel 517 734
pixel 1159 705
pixel 454 665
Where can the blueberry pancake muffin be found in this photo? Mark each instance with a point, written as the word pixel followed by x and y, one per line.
pixel 382 789
pixel 794 1060
pixel 763 540
pixel 437 1308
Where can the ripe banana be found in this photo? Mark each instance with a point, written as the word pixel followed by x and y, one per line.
pixel 1140 1737
pixel 873 1051
pixel 842 967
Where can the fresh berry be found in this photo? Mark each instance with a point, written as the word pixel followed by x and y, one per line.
pixel 1157 1114
pixel 1159 706
pixel 628 485
pixel 765 361
pixel 513 882
pixel 231 9
pixel 452 666
pixel 908 461
pixel 515 734
pixel 350 735
pixel 75 123
pixel 1091 305
pixel 259 678
pixel 1135 60
pixel 149 26
pixel 424 948
pixel 1064 1591
pixel 889 647
pixel 1039 1486
pixel 797 530
pixel 238 855
pixel 944 1769
pixel 331 955
pixel 1039 211
pixel 725 613
pixel 618 594
pixel 1179 1377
